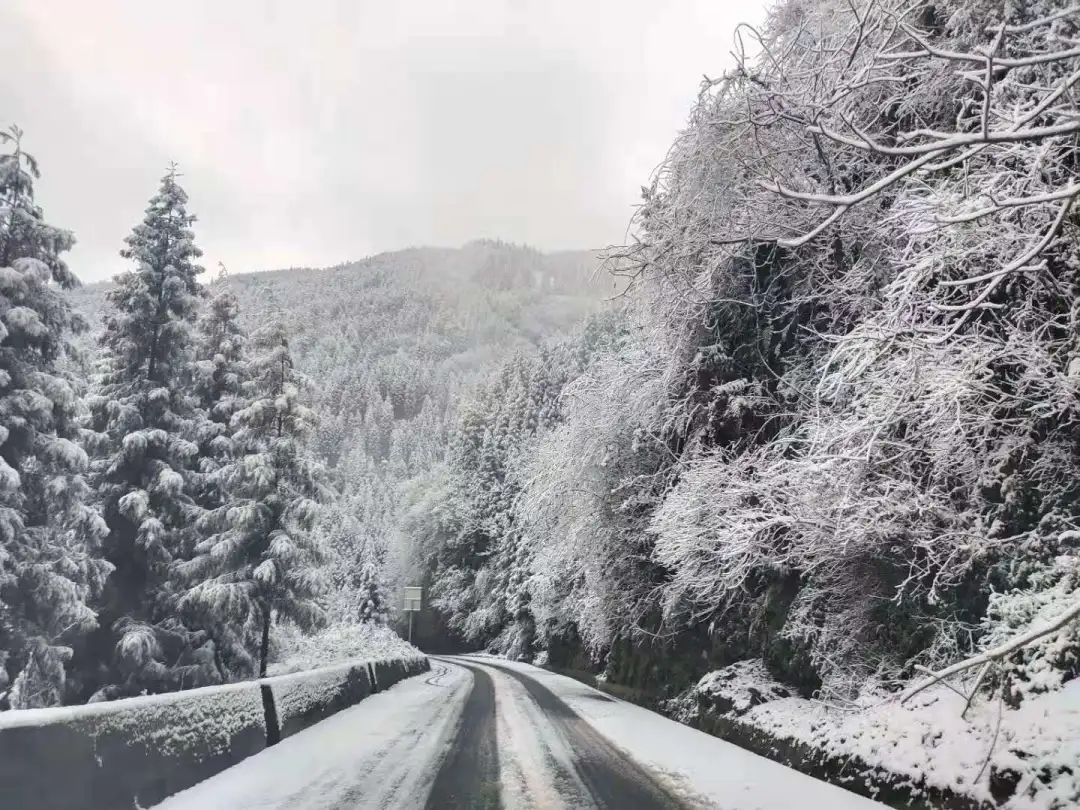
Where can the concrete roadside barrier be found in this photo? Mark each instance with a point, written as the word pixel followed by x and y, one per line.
pixel 135 752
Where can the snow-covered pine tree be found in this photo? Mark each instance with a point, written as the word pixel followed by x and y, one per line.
pixel 372 598
pixel 148 424
pixel 219 375
pixel 220 372
pixel 261 563
pixel 49 535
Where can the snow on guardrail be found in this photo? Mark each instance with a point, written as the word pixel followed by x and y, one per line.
pixel 136 751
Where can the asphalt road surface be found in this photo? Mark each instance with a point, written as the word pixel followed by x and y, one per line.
pixel 585 769
pixel 480 733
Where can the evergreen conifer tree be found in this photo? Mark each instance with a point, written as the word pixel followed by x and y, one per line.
pixel 373 603
pixel 219 376
pixel 148 425
pixel 260 564
pixel 49 535
pixel 372 594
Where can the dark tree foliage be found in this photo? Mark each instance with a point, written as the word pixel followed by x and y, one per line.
pixel 50 570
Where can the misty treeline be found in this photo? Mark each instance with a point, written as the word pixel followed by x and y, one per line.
pixel 191 471
pixel 834 422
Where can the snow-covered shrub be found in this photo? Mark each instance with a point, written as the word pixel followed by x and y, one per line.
pixel 337 643
pixel 733 690
pixel 1046 663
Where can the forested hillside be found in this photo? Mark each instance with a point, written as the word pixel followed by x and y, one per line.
pixel 821 452
pixel 388 346
pixel 837 432
pixel 192 472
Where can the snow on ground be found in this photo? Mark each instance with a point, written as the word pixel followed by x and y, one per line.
pixel 695 765
pixel 926 739
pixel 336 644
pixel 536 766
pixel 382 753
pixel 386 752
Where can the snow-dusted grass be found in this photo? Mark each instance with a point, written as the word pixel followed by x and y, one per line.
pixel 925 742
pixel 337 644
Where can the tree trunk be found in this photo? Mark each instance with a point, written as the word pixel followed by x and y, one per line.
pixel 219 663
pixel 264 648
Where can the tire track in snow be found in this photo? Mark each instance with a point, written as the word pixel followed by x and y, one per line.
pixel 468 778
pixel 537 764
pixel 584 768
pixel 438 672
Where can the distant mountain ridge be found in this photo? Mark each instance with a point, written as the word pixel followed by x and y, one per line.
pixel 389 344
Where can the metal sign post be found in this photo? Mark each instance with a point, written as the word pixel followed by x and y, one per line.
pixel 414 599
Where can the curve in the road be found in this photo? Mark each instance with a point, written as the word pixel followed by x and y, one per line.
pixel 615 781
pixel 469 775
pixel 468 778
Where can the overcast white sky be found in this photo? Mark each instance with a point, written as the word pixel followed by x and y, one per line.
pixel 311 132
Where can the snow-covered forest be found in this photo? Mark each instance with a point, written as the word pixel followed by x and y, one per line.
pixel 835 431
pixel 196 469
pixel 826 428
pixel 836 426
pixel 178 491
pixel 387 346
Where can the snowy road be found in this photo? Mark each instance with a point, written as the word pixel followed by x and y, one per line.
pixel 483 733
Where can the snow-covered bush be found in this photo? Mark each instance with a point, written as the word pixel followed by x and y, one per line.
pixel 294 651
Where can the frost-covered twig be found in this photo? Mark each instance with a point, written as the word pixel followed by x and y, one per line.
pixel 995 654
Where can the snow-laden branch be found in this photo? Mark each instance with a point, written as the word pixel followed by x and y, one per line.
pixel 1001 63
pixel 996 277
pixel 995 654
pixel 809 236
pixel 1028 255
pixel 998 206
pixel 954 141
pixel 1040 22
pixel 848 200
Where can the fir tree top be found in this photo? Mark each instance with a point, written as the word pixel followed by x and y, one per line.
pixel 155 303
pixel 164 238
pixel 25 234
